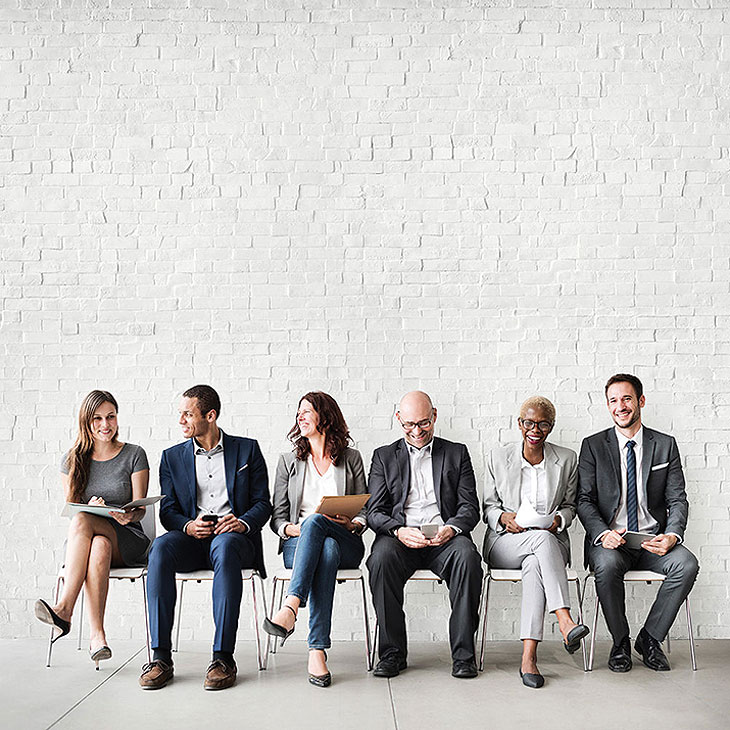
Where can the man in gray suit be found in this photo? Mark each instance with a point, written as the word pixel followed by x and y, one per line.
pixel 630 478
pixel 415 481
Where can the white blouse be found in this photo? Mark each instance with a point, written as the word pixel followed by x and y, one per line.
pixel 316 487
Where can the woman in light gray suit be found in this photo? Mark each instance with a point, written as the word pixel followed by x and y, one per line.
pixel 316 546
pixel 529 503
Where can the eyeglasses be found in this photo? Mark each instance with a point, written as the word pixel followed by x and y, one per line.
pixel 528 425
pixel 409 426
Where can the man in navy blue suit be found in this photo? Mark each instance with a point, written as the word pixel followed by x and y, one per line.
pixel 216 503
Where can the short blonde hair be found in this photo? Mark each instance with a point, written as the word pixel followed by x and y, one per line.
pixel 539 402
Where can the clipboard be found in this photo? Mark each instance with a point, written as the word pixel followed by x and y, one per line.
pixel 348 505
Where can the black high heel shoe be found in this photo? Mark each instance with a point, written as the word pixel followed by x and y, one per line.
pixel 320 680
pixel 103 652
pixel 43 612
pixel 277 629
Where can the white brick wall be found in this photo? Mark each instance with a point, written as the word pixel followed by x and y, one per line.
pixel 485 200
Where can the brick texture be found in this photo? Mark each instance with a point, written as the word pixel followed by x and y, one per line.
pixel 485 200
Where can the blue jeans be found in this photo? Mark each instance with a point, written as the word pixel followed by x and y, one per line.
pixel 315 556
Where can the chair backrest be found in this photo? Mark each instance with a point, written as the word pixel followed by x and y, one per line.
pixel 148 524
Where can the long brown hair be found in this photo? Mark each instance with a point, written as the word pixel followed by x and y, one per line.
pixel 331 423
pixel 79 456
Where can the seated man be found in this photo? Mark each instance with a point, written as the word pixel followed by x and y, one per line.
pixel 418 481
pixel 216 503
pixel 630 478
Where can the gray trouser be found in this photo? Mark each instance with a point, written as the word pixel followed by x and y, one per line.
pixel 542 558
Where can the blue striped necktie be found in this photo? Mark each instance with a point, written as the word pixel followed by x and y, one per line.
pixel 631 502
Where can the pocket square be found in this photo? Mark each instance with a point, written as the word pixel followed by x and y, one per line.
pixel 660 466
pixel 245 466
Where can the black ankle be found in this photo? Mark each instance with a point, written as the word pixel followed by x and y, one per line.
pixel 225 656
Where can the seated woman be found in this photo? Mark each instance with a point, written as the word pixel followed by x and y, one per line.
pixel 316 546
pixel 529 503
pixel 98 469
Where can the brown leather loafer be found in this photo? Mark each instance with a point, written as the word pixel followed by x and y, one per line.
pixel 156 675
pixel 220 675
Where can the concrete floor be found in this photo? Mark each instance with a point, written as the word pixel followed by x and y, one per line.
pixel 72 695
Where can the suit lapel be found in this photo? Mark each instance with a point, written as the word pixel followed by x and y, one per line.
pixel 437 463
pixel 647 457
pixel 189 466
pixel 552 471
pixel 614 457
pixel 340 476
pixel 296 487
pixel 230 461
pixel 404 467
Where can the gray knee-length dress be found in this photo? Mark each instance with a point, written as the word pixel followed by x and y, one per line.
pixel 112 481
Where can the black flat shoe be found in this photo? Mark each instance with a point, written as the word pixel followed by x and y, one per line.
pixel 575 635
pixel 620 658
pixel 43 612
pixel 533 681
pixel 651 652
pixel 320 680
pixel 277 629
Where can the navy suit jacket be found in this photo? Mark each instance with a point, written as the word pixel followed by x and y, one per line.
pixel 599 483
pixel 246 480
pixel 453 481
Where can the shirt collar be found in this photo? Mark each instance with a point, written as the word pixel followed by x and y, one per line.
pixel 423 452
pixel 637 438
pixel 540 467
pixel 198 449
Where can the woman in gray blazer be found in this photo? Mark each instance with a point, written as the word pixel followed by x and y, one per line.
pixel 316 546
pixel 529 503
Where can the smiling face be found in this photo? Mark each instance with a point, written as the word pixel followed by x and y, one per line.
pixel 624 406
pixel 535 426
pixel 417 418
pixel 103 423
pixel 192 421
pixel 307 419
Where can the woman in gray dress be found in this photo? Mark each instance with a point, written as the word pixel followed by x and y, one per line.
pixel 98 469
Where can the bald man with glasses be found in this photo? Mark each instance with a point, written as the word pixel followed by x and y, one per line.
pixel 417 481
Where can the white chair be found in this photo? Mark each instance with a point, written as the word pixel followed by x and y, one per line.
pixel 283 576
pixel 419 575
pixel 648 577
pixel 247 574
pixel 515 576
pixel 131 574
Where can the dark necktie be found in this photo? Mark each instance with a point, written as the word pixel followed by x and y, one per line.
pixel 631 502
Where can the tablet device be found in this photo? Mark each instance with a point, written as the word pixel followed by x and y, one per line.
pixel 348 505
pixel 634 539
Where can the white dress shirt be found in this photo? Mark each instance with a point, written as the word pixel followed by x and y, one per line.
pixel 534 488
pixel 420 506
pixel 316 486
pixel 646 522
pixel 210 479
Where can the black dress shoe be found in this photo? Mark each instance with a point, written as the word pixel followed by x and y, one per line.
pixel 575 635
pixel 651 652
pixel 43 612
pixel 390 666
pixel 620 657
pixel 534 681
pixel 464 669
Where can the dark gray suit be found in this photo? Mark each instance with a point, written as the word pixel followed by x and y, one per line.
pixel 599 500
pixel 391 563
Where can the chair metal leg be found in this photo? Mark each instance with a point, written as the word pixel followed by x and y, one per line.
pixel 368 647
pixel 259 654
pixel 81 617
pixel 595 626
pixel 146 619
pixel 580 620
pixel 59 583
pixel 669 645
pixel 374 646
pixel 179 615
pixel 691 635
pixel 485 607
